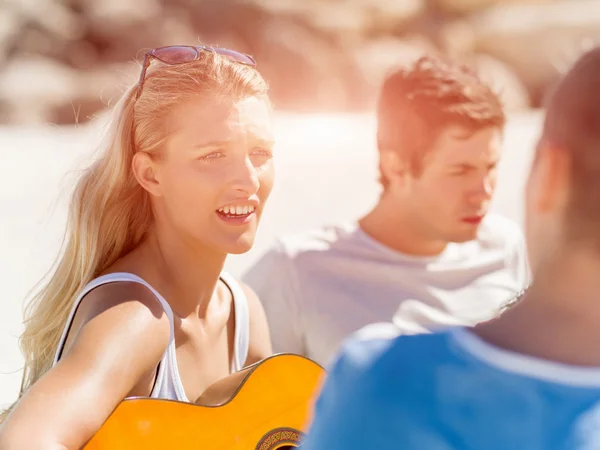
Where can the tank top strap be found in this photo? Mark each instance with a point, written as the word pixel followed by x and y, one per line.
pixel 106 279
pixel 242 321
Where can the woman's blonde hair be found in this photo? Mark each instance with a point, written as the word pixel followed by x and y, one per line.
pixel 110 212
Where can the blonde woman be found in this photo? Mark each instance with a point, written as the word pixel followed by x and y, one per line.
pixel 139 304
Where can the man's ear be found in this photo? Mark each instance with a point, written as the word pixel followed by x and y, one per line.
pixel 144 170
pixel 393 166
pixel 552 176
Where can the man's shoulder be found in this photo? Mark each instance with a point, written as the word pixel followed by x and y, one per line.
pixel 314 241
pixel 499 231
pixel 374 388
pixel 293 254
pixel 375 358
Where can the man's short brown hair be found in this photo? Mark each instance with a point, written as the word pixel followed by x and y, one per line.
pixel 417 103
pixel 573 123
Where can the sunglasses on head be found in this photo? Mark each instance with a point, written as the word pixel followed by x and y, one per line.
pixel 181 54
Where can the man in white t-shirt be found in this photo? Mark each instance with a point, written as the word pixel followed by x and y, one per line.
pixel 428 255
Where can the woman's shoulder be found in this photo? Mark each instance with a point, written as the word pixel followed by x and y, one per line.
pixel 131 301
pixel 127 291
pixel 117 323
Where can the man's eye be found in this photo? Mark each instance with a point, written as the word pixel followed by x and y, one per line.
pixel 262 152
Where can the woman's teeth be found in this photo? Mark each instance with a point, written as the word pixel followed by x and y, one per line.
pixel 238 210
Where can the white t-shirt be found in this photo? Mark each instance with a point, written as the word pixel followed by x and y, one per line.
pixel 319 287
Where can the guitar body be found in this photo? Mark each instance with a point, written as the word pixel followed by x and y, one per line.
pixel 266 406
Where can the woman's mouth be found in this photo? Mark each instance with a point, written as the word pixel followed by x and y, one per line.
pixel 236 214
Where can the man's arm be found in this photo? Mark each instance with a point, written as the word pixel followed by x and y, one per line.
pixel 273 280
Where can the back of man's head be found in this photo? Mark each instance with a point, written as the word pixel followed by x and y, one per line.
pixel 573 124
pixel 416 104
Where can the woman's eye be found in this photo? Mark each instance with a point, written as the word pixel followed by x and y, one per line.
pixel 212 156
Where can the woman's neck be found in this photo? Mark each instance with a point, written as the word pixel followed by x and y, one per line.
pixel 183 271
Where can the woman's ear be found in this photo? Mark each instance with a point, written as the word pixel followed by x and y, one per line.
pixel 144 170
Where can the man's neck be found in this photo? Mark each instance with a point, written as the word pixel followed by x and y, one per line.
pixel 558 318
pixel 391 226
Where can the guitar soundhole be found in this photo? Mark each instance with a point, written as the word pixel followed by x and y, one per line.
pixel 280 439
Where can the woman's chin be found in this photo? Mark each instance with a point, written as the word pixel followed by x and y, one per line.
pixel 240 246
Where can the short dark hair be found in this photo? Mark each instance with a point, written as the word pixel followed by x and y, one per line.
pixel 417 103
pixel 573 124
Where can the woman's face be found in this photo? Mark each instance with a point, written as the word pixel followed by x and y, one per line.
pixel 215 172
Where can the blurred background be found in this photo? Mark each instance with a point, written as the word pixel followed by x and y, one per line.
pixel 64 62
pixel 61 61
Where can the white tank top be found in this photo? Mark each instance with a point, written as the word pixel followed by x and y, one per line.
pixel 168 383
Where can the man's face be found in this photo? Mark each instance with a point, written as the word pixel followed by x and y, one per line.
pixel 450 195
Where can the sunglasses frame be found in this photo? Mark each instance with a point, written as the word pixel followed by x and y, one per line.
pixel 233 55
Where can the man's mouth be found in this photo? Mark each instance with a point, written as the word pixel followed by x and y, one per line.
pixel 473 220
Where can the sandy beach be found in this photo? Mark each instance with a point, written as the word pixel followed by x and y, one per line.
pixel 326 172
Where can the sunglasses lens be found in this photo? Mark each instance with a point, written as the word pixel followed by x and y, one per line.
pixel 235 56
pixel 180 54
pixel 176 54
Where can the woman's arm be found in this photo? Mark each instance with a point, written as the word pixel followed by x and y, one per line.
pixel 259 346
pixel 122 340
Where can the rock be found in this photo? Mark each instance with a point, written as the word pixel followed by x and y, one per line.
pixel 116 13
pixel 503 80
pixel 538 41
pixel 176 27
pixel 457 38
pixel 122 40
pixel 313 75
pixel 306 67
pixel 37 78
pixel 283 8
pixel 40 90
pixel 97 90
pixel 378 57
pixel 343 23
pixel 120 30
pixel 33 40
pixel 10 25
pixel 392 16
pixel 366 18
pixel 31 86
pixel 348 20
pixel 45 28
pixel 52 16
pixel 470 6
pixel 78 111
pixel 62 60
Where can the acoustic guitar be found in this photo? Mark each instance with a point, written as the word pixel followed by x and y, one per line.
pixel 266 406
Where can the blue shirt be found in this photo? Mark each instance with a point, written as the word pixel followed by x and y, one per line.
pixel 452 390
